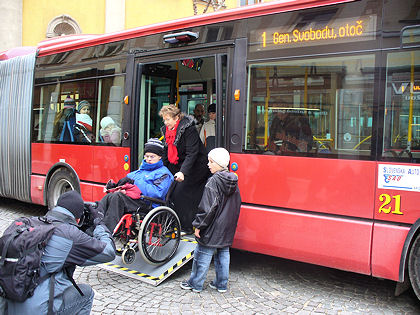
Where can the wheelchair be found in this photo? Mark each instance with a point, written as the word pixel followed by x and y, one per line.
pixel 153 232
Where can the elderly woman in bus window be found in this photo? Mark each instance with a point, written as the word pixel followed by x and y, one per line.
pixel 110 132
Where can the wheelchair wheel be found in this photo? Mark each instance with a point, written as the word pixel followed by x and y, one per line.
pixel 128 255
pixel 159 235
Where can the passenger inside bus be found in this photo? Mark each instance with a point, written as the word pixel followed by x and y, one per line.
pixel 198 116
pixel 208 131
pixel 110 132
pixel 83 128
pixel 290 132
pixel 64 121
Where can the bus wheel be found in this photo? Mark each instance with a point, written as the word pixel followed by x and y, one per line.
pixel 413 266
pixel 60 182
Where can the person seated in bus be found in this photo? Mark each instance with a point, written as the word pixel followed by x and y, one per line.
pixel 110 132
pixel 290 132
pixel 152 179
pixel 198 116
pixel 83 128
pixel 64 121
pixel 208 131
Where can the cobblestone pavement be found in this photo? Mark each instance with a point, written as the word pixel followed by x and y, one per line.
pixel 258 284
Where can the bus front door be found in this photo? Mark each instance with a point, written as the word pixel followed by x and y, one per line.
pixel 184 82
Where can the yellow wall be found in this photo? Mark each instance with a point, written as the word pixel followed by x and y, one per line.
pixel 145 12
pixel 89 14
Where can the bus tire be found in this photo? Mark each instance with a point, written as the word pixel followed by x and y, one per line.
pixel 60 182
pixel 413 266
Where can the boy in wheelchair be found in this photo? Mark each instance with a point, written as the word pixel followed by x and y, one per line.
pixel 152 179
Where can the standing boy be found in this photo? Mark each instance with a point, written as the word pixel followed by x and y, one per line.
pixel 215 224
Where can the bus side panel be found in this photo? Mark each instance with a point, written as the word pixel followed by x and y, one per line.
pixel 45 155
pixel 397 206
pixel 97 192
pixel 37 189
pixel 323 240
pixel 98 165
pixel 110 163
pixel 387 244
pixel 342 187
pixel 398 198
pixel 90 192
pixel 86 191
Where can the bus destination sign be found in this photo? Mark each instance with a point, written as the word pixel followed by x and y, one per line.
pixel 338 31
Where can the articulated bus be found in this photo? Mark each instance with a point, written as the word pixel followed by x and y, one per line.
pixel 317 101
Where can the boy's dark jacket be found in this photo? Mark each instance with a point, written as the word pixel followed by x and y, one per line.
pixel 218 211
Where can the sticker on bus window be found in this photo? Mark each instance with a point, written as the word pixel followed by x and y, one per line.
pixel 399 177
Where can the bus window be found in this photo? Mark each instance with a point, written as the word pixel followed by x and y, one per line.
pixel 110 110
pixel 402 106
pixel 46 106
pixel 56 104
pixel 321 107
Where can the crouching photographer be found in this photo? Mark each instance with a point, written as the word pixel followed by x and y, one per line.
pixel 68 247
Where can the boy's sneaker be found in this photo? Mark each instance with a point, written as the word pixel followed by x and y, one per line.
pixel 211 285
pixel 186 286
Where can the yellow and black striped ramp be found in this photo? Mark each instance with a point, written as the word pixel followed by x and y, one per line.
pixel 143 271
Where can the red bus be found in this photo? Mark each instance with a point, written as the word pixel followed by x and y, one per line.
pixel 318 102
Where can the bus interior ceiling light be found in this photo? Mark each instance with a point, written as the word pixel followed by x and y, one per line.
pixel 182 37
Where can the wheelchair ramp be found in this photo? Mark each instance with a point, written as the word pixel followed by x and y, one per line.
pixel 143 271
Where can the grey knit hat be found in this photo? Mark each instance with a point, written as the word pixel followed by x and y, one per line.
pixel 82 104
pixel 154 145
pixel 69 102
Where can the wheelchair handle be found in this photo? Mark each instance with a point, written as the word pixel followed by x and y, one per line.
pixel 170 190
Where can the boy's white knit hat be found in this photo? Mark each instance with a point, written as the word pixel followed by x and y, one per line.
pixel 106 121
pixel 220 156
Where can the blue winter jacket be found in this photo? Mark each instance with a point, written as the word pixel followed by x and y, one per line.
pixel 153 180
pixel 68 246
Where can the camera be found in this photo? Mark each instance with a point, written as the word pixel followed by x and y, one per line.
pixel 86 220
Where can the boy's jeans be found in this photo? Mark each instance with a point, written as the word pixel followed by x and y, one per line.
pixel 201 263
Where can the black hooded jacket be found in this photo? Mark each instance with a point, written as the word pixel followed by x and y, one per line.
pixel 218 211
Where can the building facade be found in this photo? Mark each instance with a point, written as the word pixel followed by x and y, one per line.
pixel 28 22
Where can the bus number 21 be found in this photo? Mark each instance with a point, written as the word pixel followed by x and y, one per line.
pixel 386 206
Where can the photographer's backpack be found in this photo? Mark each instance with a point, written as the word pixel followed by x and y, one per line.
pixel 21 248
